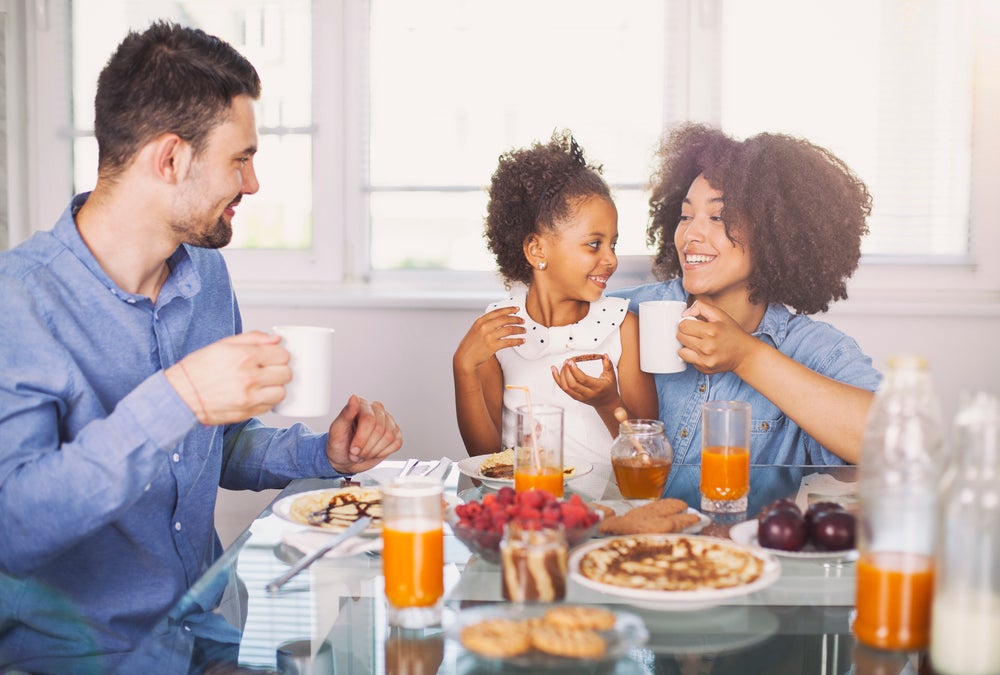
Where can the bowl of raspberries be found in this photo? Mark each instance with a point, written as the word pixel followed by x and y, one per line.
pixel 479 524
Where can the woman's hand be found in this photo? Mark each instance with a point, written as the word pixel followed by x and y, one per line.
pixel 715 343
pixel 489 334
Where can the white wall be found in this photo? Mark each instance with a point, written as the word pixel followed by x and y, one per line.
pixel 402 357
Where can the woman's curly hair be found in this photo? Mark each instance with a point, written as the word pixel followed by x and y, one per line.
pixel 531 191
pixel 796 207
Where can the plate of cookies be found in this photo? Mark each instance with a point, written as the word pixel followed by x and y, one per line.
pixel 545 636
pixel 497 470
pixel 656 516
pixel 673 571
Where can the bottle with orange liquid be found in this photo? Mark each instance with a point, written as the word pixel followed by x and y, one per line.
pixel 901 460
pixel 538 457
pixel 413 551
pixel 641 457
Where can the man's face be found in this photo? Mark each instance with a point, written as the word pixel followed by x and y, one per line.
pixel 219 177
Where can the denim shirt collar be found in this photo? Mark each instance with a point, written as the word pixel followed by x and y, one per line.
pixel 774 323
pixel 183 282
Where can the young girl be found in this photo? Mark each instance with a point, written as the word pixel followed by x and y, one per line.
pixel 744 231
pixel 553 227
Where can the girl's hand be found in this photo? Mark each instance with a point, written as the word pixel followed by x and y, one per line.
pixel 600 392
pixel 715 343
pixel 489 334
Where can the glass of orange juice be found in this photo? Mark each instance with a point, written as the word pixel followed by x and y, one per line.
pixel 725 456
pixel 538 458
pixel 413 551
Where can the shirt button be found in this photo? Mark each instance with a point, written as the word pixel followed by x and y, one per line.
pixel 148 485
pixel 176 457
pixel 177 526
pixel 701 389
pixel 684 432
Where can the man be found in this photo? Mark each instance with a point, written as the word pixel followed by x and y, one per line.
pixel 127 388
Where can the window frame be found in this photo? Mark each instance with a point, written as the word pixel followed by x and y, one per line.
pixel 339 259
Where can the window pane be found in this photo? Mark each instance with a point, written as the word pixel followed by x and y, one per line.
pixel 275 35
pixel 454 84
pixel 885 85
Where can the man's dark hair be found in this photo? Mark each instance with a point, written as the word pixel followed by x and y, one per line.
pixel 167 79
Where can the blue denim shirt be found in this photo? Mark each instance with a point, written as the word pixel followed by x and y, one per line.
pixel 775 439
pixel 107 481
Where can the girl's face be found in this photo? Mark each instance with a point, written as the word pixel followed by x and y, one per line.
pixel 580 252
pixel 714 267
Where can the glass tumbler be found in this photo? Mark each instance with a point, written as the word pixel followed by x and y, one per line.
pixel 413 551
pixel 725 456
pixel 538 457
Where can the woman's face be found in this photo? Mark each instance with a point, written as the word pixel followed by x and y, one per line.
pixel 713 266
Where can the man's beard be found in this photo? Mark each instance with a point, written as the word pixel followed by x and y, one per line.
pixel 216 237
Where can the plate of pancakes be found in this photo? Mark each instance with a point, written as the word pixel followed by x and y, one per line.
pixel 673 572
pixel 332 509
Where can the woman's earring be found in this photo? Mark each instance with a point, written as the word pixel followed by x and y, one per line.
pixel 542 265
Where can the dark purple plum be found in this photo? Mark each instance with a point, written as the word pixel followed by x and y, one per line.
pixel 833 531
pixel 783 504
pixel 784 530
pixel 818 508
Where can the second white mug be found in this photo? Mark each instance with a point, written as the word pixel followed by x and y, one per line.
pixel 658 345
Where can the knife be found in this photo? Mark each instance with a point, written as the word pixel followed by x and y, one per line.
pixel 356 527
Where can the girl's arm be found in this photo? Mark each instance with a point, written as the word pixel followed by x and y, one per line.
pixel 832 412
pixel 479 404
pixel 479 379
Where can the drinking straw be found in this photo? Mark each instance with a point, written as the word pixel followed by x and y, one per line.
pixel 536 456
pixel 622 416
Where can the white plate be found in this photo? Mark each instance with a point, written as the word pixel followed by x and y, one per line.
pixel 629 632
pixel 677 600
pixel 283 507
pixel 746 533
pixel 470 467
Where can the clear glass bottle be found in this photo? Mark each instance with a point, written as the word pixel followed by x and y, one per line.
pixel 965 623
pixel 901 457
pixel 641 457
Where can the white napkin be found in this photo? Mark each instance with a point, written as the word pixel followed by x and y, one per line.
pixel 308 541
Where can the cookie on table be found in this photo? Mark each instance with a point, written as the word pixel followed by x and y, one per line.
pixel 580 617
pixel 497 638
pixel 573 643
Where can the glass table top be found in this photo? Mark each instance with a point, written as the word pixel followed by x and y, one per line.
pixel 332 617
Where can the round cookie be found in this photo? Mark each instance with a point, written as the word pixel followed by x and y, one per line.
pixel 497 638
pixel 577 644
pixel 576 617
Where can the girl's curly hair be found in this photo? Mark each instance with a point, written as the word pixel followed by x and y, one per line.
pixel 797 208
pixel 533 189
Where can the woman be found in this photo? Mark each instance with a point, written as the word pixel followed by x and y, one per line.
pixel 746 231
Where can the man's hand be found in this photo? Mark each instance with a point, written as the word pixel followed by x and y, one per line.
pixel 233 379
pixel 361 436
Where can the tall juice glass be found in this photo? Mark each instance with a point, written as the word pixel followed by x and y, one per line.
pixel 413 551
pixel 538 458
pixel 725 456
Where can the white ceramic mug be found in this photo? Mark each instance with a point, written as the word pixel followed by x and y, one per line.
pixel 658 345
pixel 310 393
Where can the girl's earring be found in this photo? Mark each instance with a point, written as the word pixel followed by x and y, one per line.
pixel 542 265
